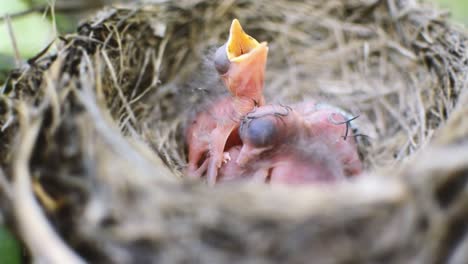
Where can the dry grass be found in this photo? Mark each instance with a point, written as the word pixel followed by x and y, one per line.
pixel 98 126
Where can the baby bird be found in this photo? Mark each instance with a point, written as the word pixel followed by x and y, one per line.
pixel 306 143
pixel 240 63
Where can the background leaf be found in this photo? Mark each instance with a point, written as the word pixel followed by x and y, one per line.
pixel 10 249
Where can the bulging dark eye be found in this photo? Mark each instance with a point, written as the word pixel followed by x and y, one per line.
pixel 221 60
pixel 260 132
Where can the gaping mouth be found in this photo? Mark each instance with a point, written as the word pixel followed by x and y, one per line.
pixel 240 45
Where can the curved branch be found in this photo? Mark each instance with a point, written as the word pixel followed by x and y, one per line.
pixel 38 234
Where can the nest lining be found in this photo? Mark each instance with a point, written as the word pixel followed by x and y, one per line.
pixel 104 118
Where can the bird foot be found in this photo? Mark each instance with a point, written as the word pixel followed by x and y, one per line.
pixel 226 157
pixel 197 172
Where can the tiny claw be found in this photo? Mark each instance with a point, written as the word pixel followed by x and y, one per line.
pixel 226 157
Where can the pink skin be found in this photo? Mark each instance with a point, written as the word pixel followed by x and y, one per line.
pixel 287 165
pixel 329 126
pixel 293 170
pixel 297 167
pixel 230 170
pixel 241 65
pixel 211 133
pixel 307 145
pixel 244 80
pixel 200 133
pixel 226 126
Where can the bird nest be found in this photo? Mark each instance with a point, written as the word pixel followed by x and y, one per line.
pixel 93 152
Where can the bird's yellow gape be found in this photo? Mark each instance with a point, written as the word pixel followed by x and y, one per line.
pixel 239 44
pixel 241 63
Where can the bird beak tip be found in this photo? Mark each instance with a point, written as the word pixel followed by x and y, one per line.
pixel 235 25
pixel 240 43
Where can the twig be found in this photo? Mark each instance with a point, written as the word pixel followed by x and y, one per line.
pixel 59 8
pixel 5 186
pixel 45 245
pixel 107 129
pixel 117 86
pixel 13 41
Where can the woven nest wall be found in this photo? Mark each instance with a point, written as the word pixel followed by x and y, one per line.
pixel 93 152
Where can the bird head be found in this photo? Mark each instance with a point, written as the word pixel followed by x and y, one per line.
pixel 241 63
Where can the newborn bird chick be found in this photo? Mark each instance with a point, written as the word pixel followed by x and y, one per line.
pixel 199 136
pixel 305 143
pixel 241 64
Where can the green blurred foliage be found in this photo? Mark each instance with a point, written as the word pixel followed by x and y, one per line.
pixel 32 32
pixel 458 9
pixel 10 249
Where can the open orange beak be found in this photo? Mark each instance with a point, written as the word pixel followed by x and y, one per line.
pixel 241 63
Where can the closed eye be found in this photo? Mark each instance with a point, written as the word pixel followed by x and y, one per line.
pixel 221 60
pixel 263 129
pixel 260 132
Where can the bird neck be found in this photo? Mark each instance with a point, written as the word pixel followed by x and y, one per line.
pixel 244 104
pixel 246 85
